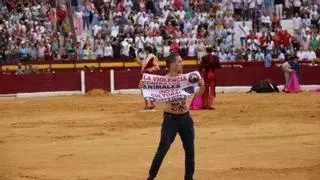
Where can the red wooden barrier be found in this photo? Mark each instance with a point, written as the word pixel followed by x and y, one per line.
pixel 124 79
pixel 64 81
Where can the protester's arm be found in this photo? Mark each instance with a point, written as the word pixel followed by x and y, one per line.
pixel 137 59
pixel 201 89
pixel 201 65
pixel 155 66
pixel 140 84
pixel 217 62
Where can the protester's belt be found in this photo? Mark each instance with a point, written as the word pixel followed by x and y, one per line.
pixel 171 115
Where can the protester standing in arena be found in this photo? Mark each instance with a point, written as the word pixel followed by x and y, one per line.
pixel 177 119
pixel 148 65
pixel 209 63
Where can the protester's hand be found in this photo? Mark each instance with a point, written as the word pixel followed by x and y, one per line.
pixel 140 84
pixel 201 82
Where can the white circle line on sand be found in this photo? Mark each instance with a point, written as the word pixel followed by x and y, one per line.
pixel 152 110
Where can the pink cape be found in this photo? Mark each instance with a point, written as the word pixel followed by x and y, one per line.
pixel 293 84
pixel 196 103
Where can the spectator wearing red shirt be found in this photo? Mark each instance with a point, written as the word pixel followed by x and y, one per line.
pixel 169 29
pixel 276 41
pixel 120 7
pixel 177 32
pixel 263 40
pixel 61 15
pixel 286 38
pixel 174 47
pixel 252 36
pixel 48 55
pixel 177 4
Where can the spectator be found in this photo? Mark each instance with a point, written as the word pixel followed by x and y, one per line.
pixel 243 32
pixel 268 59
pixel 259 56
pixel 19 70
pixel 24 52
pixel 288 8
pixel 166 49
pixel 201 49
pixel 282 56
pixel 279 7
pixel 30 70
pixel 301 54
pixel 296 23
pixel 296 6
pixel 61 15
pixel 48 55
pixel 223 56
pixel 266 21
pixel 311 55
pixel 108 51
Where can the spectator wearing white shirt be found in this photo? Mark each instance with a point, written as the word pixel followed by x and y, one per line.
pixel 162 4
pixel 142 19
pixel 252 6
pixel 125 48
pixel 114 30
pixel 306 39
pixel 269 44
pixel 260 4
pixel 311 55
pixel 279 7
pixel 237 8
pixel 192 49
pixel 288 8
pixel 154 24
pixel 166 49
pixel 244 31
pixel 99 50
pixel 282 56
pixel 128 4
pixel 108 51
pixel 301 54
pixel 223 57
pixel 296 22
pixel 296 6
pixel 140 41
pixel 259 56
pixel 201 49
pixel 150 40
pixel 228 21
pixel 181 13
pixel 266 21
pixel 313 11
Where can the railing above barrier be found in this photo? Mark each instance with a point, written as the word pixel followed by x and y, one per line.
pixel 110 80
pixel 116 64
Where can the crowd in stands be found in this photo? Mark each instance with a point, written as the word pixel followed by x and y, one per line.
pixel 105 29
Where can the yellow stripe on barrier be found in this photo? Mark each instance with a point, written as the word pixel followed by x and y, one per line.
pixel 112 64
pixel 41 66
pixel 81 65
pixel 190 62
pixel 62 66
pixel 131 64
pixel 11 67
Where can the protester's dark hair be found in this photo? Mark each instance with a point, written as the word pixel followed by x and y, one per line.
pixel 171 58
pixel 149 49
pixel 209 49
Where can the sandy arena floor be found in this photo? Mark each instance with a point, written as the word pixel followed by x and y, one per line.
pixel 248 137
